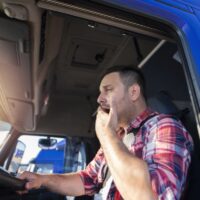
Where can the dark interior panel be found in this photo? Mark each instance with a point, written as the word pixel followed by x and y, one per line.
pixel 163 73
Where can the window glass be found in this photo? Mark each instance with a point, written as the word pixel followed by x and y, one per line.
pixel 17 157
pixel 31 155
pixel 4 130
pixel 45 155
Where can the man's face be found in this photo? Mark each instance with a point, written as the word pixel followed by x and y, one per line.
pixel 113 89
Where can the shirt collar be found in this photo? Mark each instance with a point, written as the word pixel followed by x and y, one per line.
pixel 140 118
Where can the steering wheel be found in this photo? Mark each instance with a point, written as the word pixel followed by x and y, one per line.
pixel 10 182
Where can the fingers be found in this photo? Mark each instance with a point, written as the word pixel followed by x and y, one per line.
pixel 120 132
pixel 26 175
pixel 33 180
pixel 100 118
pixel 23 177
pixel 32 185
pixel 113 106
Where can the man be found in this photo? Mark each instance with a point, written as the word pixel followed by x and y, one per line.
pixel 152 164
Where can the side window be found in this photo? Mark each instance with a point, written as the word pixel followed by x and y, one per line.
pixel 17 157
pixel 4 131
pixel 75 155
pixel 47 155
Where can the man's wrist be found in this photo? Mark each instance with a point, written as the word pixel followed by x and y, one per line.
pixel 45 180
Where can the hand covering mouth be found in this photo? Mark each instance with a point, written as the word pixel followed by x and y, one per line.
pixel 105 109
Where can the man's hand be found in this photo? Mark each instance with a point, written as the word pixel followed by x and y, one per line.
pixel 106 122
pixel 34 181
pixel 69 184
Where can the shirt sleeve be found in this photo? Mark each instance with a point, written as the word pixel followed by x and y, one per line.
pixel 90 176
pixel 168 155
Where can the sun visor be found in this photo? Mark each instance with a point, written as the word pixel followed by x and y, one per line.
pixel 15 74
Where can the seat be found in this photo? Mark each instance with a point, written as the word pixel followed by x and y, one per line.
pixel 163 103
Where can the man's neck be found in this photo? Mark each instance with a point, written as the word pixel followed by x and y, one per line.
pixel 137 111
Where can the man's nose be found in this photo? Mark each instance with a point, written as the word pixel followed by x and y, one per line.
pixel 101 98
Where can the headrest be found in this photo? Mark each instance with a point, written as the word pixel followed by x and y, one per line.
pixel 162 103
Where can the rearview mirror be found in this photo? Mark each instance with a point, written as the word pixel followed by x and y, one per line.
pixel 47 143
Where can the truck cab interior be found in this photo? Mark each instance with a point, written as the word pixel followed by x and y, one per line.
pixel 53 54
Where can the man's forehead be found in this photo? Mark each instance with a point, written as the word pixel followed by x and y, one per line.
pixel 110 80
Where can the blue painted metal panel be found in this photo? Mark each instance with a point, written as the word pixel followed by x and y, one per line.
pixel 177 4
pixel 197 13
pixel 54 157
pixel 192 3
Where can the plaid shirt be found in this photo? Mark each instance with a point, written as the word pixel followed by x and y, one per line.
pixel 164 144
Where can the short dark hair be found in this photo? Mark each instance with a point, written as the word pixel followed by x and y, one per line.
pixel 129 75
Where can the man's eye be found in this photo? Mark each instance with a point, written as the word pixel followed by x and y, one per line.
pixel 110 89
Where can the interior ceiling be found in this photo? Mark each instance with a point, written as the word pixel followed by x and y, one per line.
pixel 73 67
pixel 88 48
pixel 73 54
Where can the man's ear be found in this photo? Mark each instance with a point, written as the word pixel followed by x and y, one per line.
pixel 134 91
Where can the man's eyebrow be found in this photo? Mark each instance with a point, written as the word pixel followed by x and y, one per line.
pixel 105 87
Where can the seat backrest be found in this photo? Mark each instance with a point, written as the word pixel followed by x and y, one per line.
pixel 163 103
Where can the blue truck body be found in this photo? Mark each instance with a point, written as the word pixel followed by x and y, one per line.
pixel 54 157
